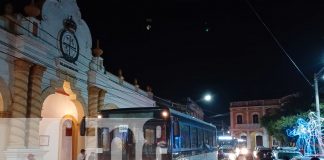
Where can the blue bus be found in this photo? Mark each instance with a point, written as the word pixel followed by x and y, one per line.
pixel 178 135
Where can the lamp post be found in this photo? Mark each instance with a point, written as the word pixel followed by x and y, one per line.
pixel 318 113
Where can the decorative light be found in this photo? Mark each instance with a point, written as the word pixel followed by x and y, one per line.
pixel 308 134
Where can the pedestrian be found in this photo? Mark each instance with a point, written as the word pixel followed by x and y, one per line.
pixel 82 155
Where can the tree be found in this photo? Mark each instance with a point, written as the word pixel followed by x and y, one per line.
pixel 279 120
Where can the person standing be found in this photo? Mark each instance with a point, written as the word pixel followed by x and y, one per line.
pixel 82 155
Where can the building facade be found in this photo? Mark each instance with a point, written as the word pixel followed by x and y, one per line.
pixel 245 121
pixel 50 78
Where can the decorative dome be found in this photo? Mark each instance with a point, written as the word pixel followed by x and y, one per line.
pixel 97 52
pixel 32 10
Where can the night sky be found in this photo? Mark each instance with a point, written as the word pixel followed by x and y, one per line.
pixel 199 46
pixel 235 60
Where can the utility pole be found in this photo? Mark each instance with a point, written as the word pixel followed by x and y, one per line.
pixel 318 113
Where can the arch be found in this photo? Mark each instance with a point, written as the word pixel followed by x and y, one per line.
pixel 69 120
pixel 59 105
pixel 77 100
pixel 243 134
pixel 5 96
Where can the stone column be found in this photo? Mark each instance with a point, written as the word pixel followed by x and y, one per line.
pixel 93 100
pixel 19 105
pixel 93 93
pixel 247 116
pixel 34 106
pixel 232 118
pixel 265 138
pixel 249 140
pixel 101 100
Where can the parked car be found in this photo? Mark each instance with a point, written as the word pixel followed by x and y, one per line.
pixel 286 154
pixel 262 153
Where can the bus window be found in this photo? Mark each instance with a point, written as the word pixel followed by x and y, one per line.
pixel 205 137
pixel 200 138
pixel 214 139
pixel 210 138
pixel 185 136
pixel 194 136
pixel 176 135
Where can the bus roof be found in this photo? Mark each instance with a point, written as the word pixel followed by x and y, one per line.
pixel 172 111
pixel 190 117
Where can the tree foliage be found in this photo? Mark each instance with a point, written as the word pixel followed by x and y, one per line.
pixel 279 120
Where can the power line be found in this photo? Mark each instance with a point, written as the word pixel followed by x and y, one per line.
pixel 277 41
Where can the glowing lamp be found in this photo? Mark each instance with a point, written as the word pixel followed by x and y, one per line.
pixel 165 114
pixel 208 97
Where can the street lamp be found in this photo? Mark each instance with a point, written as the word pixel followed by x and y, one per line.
pixel 208 97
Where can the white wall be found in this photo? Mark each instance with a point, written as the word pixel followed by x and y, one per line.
pixel 51 127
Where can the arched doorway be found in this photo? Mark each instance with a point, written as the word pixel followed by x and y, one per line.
pixel 59 131
pixel 259 140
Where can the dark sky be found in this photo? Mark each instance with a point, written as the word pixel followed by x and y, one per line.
pixel 236 60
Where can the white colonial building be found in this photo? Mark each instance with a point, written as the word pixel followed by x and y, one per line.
pixel 50 75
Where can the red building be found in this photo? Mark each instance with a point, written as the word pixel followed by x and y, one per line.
pixel 245 121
